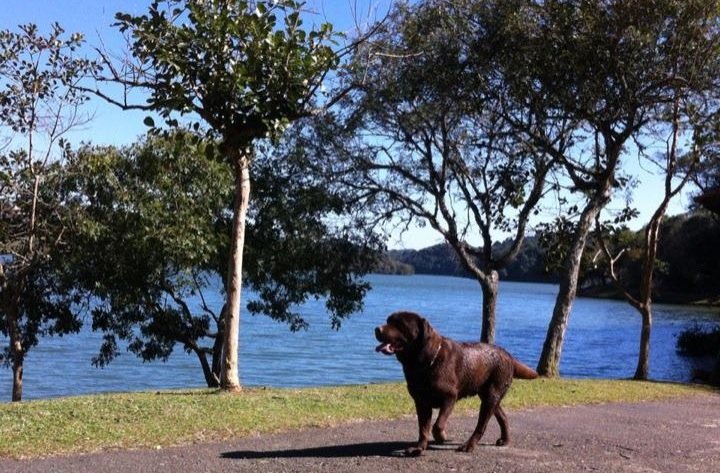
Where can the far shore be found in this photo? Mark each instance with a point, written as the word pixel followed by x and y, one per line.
pixel 674 298
pixel 603 292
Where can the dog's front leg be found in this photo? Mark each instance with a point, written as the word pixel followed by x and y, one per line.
pixel 424 415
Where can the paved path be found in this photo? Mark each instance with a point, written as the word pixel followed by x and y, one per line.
pixel 669 437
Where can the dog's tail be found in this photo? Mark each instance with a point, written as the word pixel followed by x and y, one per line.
pixel 523 371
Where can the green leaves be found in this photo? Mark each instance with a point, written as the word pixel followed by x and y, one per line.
pixel 242 67
pixel 38 105
pixel 37 73
pixel 155 231
pixel 151 232
pixel 293 251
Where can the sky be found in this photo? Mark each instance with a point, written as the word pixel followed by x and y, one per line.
pixel 111 126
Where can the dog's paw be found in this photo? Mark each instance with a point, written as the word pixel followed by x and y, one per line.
pixel 467 447
pixel 413 451
pixel 501 442
pixel 440 436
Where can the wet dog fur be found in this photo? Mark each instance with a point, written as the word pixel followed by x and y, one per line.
pixel 439 371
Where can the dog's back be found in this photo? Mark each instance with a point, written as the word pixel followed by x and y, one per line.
pixel 484 364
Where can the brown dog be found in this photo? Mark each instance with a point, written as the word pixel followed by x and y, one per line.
pixel 439 371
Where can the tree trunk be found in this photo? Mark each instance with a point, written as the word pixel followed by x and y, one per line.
pixel 644 306
pixel 211 379
pixel 218 345
pixel 17 353
pixel 643 366
pixel 489 287
pixel 17 378
pixel 549 363
pixel 229 379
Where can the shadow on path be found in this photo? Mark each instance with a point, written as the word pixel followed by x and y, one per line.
pixel 373 449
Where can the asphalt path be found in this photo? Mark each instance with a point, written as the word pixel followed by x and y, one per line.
pixel 670 437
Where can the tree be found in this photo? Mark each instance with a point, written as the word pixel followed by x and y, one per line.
pixel 611 69
pixel 148 239
pixel 707 179
pixel 155 235
pixel 247 69
pixel 423 140
pixel 38 106
pixel 642 300
pixel 305 237
pixel 707 175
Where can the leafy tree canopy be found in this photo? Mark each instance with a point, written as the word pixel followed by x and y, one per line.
pixel 247 68
pixel 156 234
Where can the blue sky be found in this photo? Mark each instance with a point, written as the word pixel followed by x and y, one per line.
pixel 110 125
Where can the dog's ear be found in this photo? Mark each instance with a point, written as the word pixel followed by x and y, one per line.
pixel 426 330
pixel 428 342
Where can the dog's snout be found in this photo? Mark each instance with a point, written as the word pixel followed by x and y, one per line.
pixel 378 332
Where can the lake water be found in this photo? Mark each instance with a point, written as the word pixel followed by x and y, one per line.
pixel 601 342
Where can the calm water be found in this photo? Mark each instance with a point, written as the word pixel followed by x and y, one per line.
pixel 601 342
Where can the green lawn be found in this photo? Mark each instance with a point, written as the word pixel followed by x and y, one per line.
pixel 157 419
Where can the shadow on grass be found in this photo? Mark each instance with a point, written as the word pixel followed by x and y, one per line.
pixel 372 449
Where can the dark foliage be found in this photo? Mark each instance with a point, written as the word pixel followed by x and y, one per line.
pixel 690 250
pixel 156 232
pixel 303 242
pixel 698 341
pixel 387 264
pixel 38 106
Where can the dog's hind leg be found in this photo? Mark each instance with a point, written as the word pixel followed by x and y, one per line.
pixel 490 397
pixel 504 431
pixel 487 408
pixel 486 411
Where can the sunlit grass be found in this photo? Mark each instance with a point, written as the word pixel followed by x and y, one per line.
pixel 158 419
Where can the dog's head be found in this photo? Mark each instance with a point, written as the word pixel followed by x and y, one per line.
pixel 404 334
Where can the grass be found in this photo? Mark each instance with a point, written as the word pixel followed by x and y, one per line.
pixel 158 419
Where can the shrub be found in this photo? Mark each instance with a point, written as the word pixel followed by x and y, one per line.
pixel 698 341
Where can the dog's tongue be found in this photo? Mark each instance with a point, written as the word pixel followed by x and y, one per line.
pixel 386 348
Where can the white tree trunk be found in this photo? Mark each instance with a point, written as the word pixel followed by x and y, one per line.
pixel 230 380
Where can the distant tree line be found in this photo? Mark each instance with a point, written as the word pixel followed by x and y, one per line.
pixel 687 261
pixel 440 259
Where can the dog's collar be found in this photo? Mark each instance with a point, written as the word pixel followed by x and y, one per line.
pixel 437 352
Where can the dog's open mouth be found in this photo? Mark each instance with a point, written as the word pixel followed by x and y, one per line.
pixel 387 348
